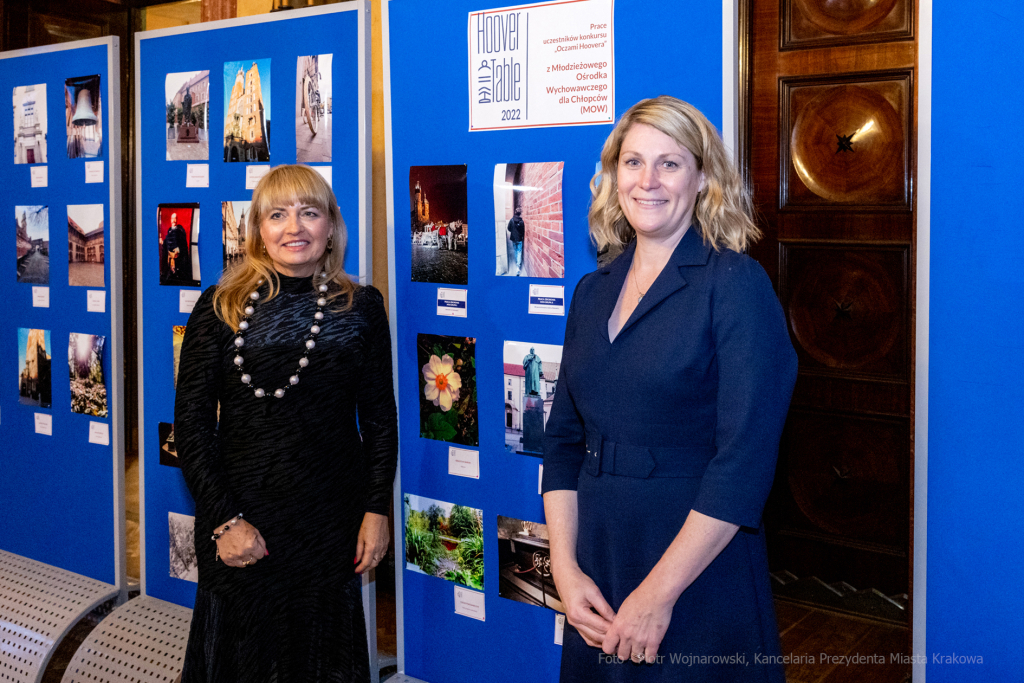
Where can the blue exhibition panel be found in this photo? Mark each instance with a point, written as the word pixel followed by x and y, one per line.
pixel 430 127
pixel 57 493
pixel 278 41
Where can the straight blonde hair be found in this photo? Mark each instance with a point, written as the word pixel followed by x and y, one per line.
pixel 723 212
pixel 284 186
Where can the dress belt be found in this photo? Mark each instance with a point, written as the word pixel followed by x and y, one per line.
pixel 628 460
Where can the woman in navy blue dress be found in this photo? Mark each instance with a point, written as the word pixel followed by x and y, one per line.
pixel 660 450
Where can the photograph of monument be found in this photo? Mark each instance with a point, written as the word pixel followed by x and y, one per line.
pixel 233 221
pixel 86 250
pixel 182 532
pixel 178 226
pixel 531 374
pixel 33 244
pixel 440 233
pixel 30 124
pixel 313 109
pixel 34 385
pixel 187 115
pixel 85 363
pixel 247 110
pixel 448 409
pixel 528 220
pixel 524 560
pixel 83 117
pixel 444 540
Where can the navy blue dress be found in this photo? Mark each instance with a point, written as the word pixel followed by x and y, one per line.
pixel 684 410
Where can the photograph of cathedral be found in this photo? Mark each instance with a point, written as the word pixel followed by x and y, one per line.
pixel 34 377
pixel 187 105
pixel 33 237
pixel 30 124
pixel 86 250
pixel 83 117
pixel 439 224
pixel 247 110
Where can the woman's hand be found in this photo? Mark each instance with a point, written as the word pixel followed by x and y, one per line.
pixel 585 607
pixel 640 625
pixel 241 545
pixel 373 541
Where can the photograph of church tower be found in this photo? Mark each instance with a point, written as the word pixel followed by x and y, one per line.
pixel 30 124
pixel 247 110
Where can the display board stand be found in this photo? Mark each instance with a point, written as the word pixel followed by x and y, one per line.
pixel 62 492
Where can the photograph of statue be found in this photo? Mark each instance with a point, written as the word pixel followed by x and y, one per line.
pixel 187 115
pixel 178 226
pixel 528 220
pixel 34 377
pixel 524 560
pixel 83 117
pixel 233 222
pixel 33 244
pixel 85 363
pixel 439 220
pixel 531 374
pixel 247 110
pixel 30 124
pixel 86 247
pixel 313 109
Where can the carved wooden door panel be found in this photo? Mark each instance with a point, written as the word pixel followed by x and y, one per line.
pixel 829 145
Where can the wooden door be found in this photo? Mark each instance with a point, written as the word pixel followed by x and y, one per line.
pixel 828 143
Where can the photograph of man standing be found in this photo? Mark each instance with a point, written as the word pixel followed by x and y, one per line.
pixel 517 231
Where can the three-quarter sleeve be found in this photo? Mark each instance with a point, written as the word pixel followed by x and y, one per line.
pixel 378 420
pixel 195 414
pixel 756 374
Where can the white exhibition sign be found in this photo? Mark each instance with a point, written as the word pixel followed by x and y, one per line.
pixel 548 64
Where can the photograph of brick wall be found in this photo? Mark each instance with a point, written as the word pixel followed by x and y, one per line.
pixel 528 219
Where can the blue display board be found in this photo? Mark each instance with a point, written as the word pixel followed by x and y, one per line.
pixel 61 492
pixel 262 58
pixel 429 94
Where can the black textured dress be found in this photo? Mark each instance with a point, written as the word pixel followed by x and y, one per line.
pixel 302 469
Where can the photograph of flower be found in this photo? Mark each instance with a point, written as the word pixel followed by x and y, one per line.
pixel 34 387
pixel 178 226
pixel 531 373
pixel 86 248
pixel 247 110
pixel 444 540
pixel 30 124
pixel 178 334
pixel 448 388
pixel 524 558
pixel 313 109
pixel 187 115
pixel 85 363
pixel 33 238
pixel 168 451
pixel 233 217
pixel 528 219
pixel 440 234
pixel 184 564
pixel 83 116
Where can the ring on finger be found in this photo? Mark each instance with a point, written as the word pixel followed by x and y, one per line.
pixel 638 657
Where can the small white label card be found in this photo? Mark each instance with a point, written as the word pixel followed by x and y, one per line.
pixel 41 297
pixel 452 302
pixel 187 299
pixel 197 175
pixel 253 175
pixel 327 172
pixel 469 603
pixel 44 424
pixel 540 480
pixel 94 171
pixel 96 301
pixel 559 627
pixel 547 299
pixel 463 462
pixel 99 433
pixel 39 175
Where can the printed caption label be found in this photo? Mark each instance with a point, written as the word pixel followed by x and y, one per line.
pixel 559 627
pixel 39 176
pixel 197 175
pixel 547 299
pixel 41 297
pixel 452 302
pixel 96 301
pixel 463 462
pixel 187 299
pixel 99 433
pixel 44 424
pixel 94 172
pixel 253 174
pixel 469 603
pixel 327 173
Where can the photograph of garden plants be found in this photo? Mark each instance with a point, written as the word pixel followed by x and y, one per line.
pixel 444 540
pixel 448 388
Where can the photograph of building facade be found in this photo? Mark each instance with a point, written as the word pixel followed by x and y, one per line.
pixel 30 124
pixel 247 111
pixel 233 215
pixel 33 240
pixel 531 374
pixel 86 248
pixel 83 117
pixel 187 101
pixel 34 377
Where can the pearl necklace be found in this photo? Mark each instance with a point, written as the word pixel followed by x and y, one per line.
pixel 310 343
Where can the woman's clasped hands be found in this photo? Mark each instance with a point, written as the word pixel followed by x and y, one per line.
pixel 241 545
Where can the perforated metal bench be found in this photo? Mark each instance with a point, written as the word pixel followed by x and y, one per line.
pixel 142 641
pixel 39 604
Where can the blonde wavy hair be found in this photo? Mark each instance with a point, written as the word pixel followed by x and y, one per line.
pixel 724 209
pixel 284 186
